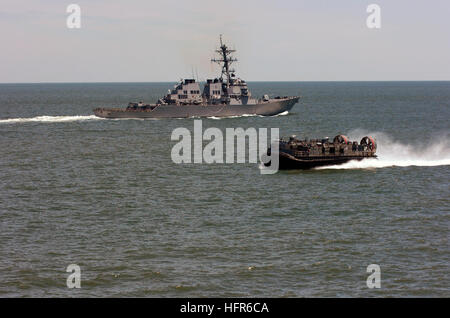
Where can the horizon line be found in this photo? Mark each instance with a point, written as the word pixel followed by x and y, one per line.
pixel 272 81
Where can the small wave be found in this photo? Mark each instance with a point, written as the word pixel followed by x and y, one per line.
pixel 249 115
pixel 228 117
pixel 383 163
pixel 49 119
pixel 281 114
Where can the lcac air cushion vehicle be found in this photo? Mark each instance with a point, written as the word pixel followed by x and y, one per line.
pixel 306 154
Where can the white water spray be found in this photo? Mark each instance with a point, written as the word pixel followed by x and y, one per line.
pixel 49 119
pixel 249 115
pixel 396 154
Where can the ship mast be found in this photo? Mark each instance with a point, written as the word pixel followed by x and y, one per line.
pixel 226 59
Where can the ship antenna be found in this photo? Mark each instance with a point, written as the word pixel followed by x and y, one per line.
pixel 226 59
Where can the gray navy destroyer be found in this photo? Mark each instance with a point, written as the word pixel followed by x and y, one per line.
pixel 226 96
pixel 306 154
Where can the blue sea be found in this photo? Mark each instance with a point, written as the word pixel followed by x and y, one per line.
pixel 106 195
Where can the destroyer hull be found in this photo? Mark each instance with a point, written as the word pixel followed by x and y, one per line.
pixel 270 108
pixel 286 161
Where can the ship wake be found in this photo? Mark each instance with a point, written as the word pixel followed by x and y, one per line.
pixel 249 115
pixel 49 119
pixel 396 154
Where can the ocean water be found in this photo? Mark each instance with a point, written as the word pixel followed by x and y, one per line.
pixel 105 195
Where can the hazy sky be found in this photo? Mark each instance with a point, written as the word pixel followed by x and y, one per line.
pixel 152 40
